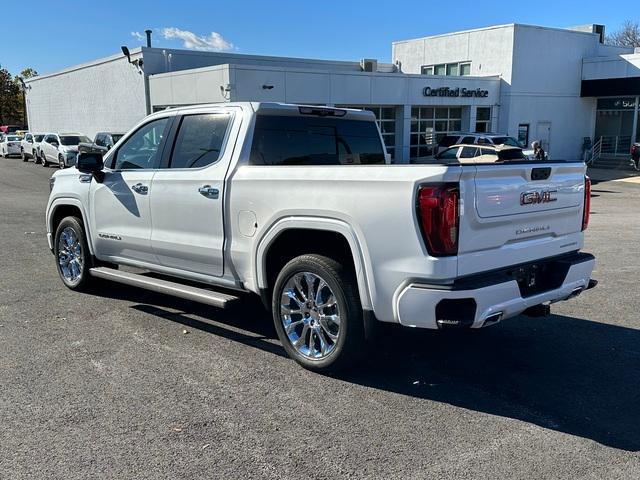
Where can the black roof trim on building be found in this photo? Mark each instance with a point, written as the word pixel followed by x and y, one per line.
pixel 610 87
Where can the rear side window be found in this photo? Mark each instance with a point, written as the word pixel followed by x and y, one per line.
pixel 141 149
pixel 293 140
pixel 448 140
pixel 511 154
pixel 200 139
pixel 468 152
pixel 449 154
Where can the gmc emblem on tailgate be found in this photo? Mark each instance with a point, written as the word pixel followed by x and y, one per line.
pixel 544 196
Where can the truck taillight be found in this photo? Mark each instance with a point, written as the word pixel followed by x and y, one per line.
pixel 587 203
pixel 438 214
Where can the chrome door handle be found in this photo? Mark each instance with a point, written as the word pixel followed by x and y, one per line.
pixel 140 188
pixel 209 191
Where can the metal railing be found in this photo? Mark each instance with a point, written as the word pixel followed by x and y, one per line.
pixel 593 155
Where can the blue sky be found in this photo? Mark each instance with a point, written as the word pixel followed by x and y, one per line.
pixel 69 33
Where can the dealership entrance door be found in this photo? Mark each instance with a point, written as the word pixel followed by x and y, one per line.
pixel 617 124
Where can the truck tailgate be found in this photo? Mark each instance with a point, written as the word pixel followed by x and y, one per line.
pixel 517 213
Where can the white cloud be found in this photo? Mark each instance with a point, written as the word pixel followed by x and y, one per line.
pixel 212 43
pixel 138 36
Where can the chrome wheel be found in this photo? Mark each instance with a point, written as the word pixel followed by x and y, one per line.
pixel 310 315
pixel 70 255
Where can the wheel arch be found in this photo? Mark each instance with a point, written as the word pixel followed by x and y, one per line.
pixel 269 256
pixel 65 207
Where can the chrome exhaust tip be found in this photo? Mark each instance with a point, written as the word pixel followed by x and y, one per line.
pixel 492 319
pixel 575 293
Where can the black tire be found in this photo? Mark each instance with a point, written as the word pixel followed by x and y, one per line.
pixel 43 158
pixel 349 346
pixel 61 164
pixel 83 280
pixel 23 155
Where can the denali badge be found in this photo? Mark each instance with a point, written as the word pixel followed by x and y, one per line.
pixel 544 196
pixel 538 228
pixel 109 236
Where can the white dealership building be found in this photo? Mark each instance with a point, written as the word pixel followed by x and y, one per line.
pixel 559 86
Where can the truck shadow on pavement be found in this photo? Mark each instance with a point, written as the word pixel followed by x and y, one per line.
pixel 567 374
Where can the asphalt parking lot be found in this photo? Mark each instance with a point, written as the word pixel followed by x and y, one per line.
pixel 108 385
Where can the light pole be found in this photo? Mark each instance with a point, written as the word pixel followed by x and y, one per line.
pixel 24 101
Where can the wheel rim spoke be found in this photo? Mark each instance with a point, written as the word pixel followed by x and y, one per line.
pixel 297 280
pixel 70 258
pixel 310 315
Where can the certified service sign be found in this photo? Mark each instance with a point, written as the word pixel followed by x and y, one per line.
pixel 454 92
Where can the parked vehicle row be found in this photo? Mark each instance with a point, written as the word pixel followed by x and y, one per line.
pixel 10 145
pixel 60 149
pixel 102 142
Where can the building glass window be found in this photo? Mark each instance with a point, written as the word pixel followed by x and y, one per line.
pixel 483 119
pixel 523 133
pixel 449 69
pixel 386 120
pixel 440 69
pixel 429 125
pixel 452 69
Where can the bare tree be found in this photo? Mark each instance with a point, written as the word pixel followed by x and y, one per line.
pixel 627 36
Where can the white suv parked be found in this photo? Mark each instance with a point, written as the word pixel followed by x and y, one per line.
pixel 483 139
pixel 30 146
pixel 61 148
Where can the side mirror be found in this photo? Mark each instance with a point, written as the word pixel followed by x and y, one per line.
pixel 55 144
pixel 91 163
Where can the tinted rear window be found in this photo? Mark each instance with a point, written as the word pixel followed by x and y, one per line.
pixel 448 140
pixel 38 138
pixel 293 140
pixel 512 142
pixel 73 139
pixel 511 154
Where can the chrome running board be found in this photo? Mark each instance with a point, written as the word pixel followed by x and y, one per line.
pixel 202 295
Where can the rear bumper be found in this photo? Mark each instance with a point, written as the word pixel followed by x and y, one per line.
pixel 485 299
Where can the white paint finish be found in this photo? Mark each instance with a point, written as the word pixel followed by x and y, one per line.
pixel 372 206
pixel 247 223
pixel 540 70
pixel 314 87
pixel 416 303
pixel 107 96
pixel 388 90
pixel 248 84
pixel 490 50
pixel 190 87
pixel 621 66
pixel 120 218
pixel 355 89
pixel 301 87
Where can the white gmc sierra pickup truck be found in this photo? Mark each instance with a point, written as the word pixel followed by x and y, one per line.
pixel 300 205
